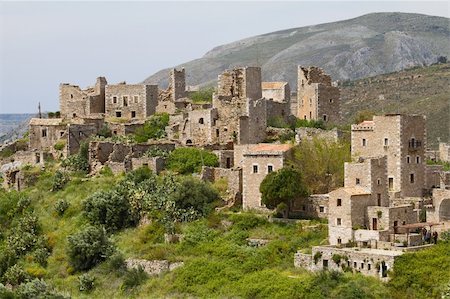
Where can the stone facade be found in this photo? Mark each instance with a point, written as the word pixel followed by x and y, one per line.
pixel 317 98
pixel 169 97
pixel 44 133
pixel 233 178
pixel 314 206
pixel 155 164
pixel 440 209
pixel 75 102
pixel 130 101
pixel 257 161
pixel 370 262
pixel 155 267
pixel 305 133
pixel 444 152
pixel 278 96
pixel 401 138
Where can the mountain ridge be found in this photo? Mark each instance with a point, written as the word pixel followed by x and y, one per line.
pixel 360 47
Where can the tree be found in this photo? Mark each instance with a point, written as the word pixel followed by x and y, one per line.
pixel 154 128
pixel 363 115
pixel 282 186
pixel 321 163
pixel 88 247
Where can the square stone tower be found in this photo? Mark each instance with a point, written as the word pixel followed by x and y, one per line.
pixel 317 98
pixel 402 139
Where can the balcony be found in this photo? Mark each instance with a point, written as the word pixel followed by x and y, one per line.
pixel 414 144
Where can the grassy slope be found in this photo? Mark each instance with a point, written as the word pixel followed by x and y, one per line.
pixel 418 90
pixel 218 262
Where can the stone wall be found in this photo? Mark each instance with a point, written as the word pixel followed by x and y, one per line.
pixel 123 129
pixel 276 91
pixel 76 134
pixel 371 262
pixel 232 176
pixel 305 133
pixel 75 102
pixel 444 152
pixel 432 176
pixel 401 139
pixel 44 133
pixel 155 267
pixel 155 164
pixel 176 90
pixel 317 99
pixel 131 101
pixel 277 109
pixel 388 218
pixel 313 206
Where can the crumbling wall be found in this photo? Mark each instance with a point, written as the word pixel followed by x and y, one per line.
pixel 75 102
pixel 444 152
pixel 313 206
pixel 155 164
pixel 76 134
pixel 232 176
pixel 44 133
pixel 306 133
pixel 176 90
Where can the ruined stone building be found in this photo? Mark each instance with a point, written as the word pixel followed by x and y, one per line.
pixel 402 139
pixel 257 161
pixel 169 98
pixel 75 102
pixel 317 98
pixel 130 101
pixel 278 96
pixel 444 152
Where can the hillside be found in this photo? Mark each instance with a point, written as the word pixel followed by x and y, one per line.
pixel 218 261
pixel 420 90
pixel 13 126
pixel 366 46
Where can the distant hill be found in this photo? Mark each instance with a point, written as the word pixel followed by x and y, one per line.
pixel 366 46
pixel 421 90
pixel 13 126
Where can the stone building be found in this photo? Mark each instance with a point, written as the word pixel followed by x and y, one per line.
pixel 313 206
pixel 76 102
pixel 45 132
pixel 317 98
pixel 278 96
pixel 256 162
pixel 241 110
pixel 402 139
pixel 444 152
pixel 169 98
pixel 130 101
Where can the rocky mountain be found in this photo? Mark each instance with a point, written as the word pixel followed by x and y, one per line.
pixel 13 126
pixel 365 46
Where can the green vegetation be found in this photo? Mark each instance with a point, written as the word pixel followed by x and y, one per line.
pixel 282 187
pixel 190 159
pixel 45 253
pixel 78 162
pixel 445 165
pixel 154 128
pixel 202 96
pixel 322 164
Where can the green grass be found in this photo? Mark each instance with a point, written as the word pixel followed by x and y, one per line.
pixel 219 263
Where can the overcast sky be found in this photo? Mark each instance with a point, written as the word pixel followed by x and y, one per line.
pixel 45 43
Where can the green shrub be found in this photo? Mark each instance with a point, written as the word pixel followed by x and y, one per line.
pixel 59 145
pixel 203 95
pixel 155 151
pixel 154 128
pixel 116 262
pixel 24 236
pixel 104 131
pixel 317 257
pixel 60 179
pixel 15 275
pixel 247 221
pixel 277 122
pixel 80 161
pixel 23 204
pixel 189 160
pixel 133 278
pixel 61 206
pixel 88 247
pixel 86 283
pixel 7 259
pixel 109 208
pixel 319 124
pixel 196 194
pixel 37 288
pixel 6 293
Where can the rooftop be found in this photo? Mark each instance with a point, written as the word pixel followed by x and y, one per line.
pixel 46 121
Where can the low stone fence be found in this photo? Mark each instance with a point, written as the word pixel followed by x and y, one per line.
pixel 154 267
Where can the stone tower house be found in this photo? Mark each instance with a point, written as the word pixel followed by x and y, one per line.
pixel 75 102
pixel 402 139
pixel 241 110
pixel 175 91
pixel 317 98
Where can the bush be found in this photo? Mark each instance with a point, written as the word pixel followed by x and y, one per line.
pixel 25 235
pixel 86 283
pixel 109 208
pixel 37 288
pixel 196 194
pixel 277 122
pixel 133 278
pixel 203 95
pixel 80 161
pixel 154 128
pixel 23 204
pixel 189 160
pixel 104 131
pixel 15 275
pixel 41 255
pixel 116 262
pixel 60 179
pixel 61 206
pixel 88 247
pixel 59 145
pixel 319 124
